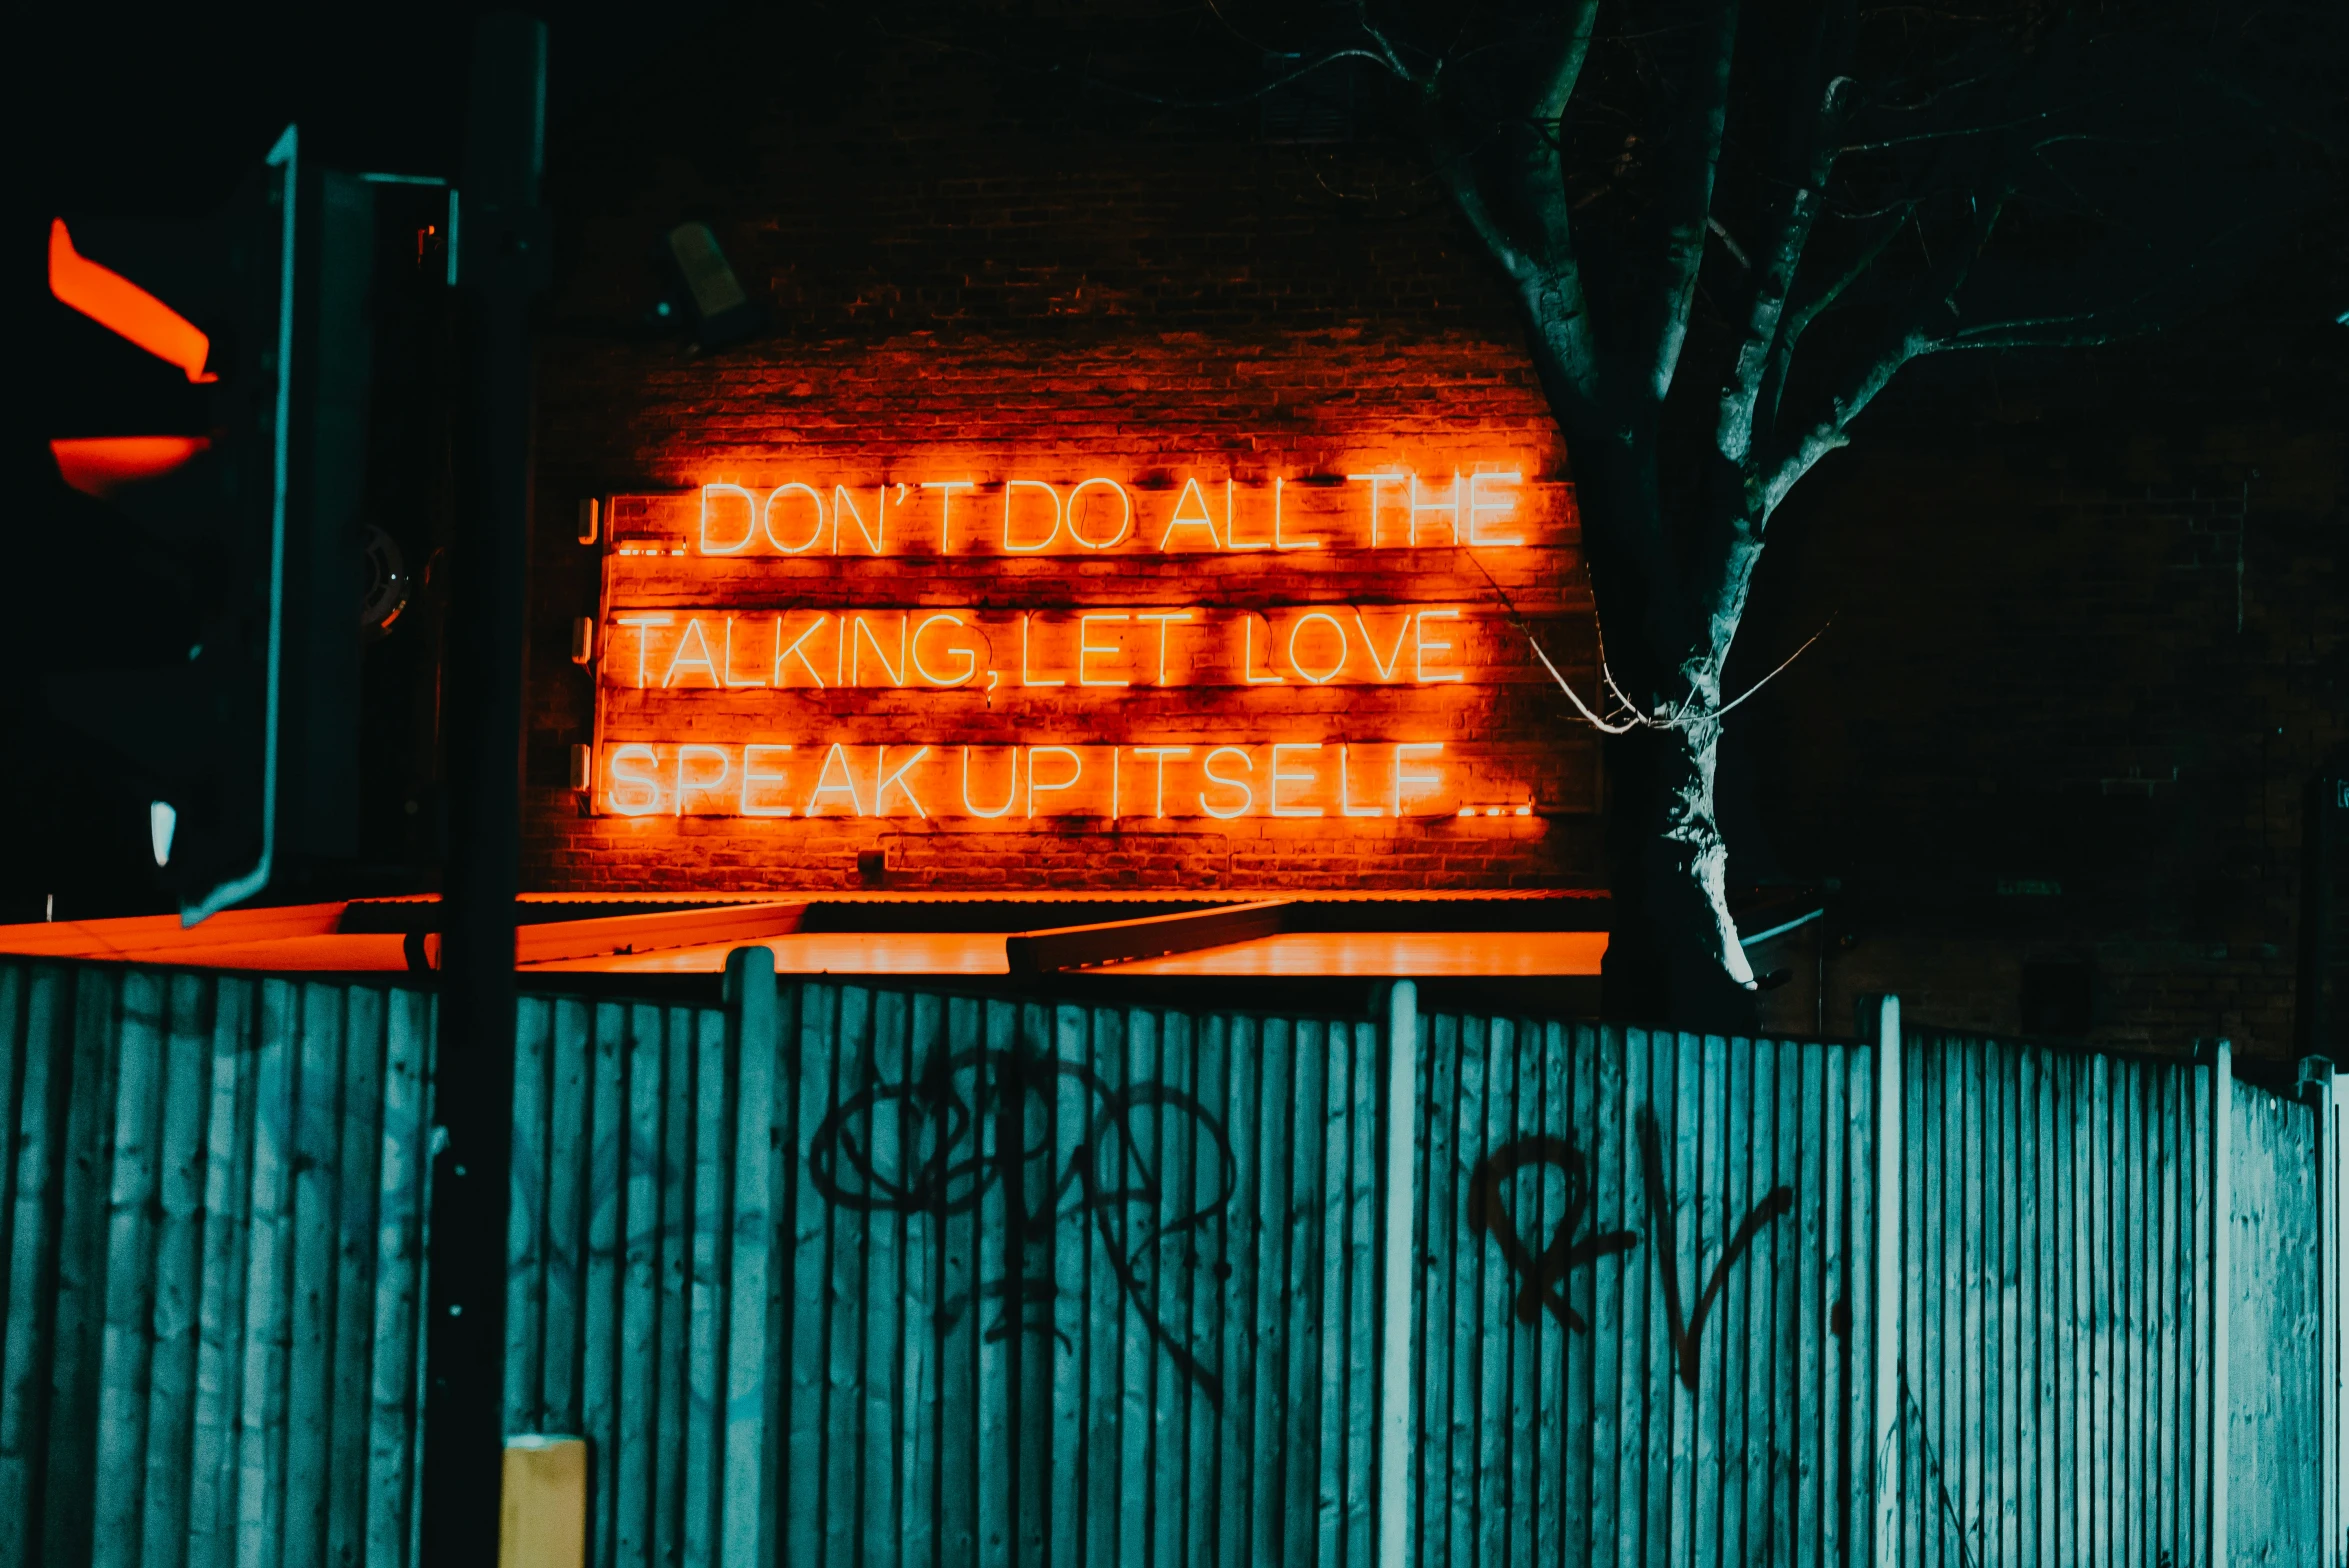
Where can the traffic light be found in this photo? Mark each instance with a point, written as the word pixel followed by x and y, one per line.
pixel 222 463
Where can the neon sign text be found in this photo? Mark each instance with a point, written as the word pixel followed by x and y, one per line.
pixel 1090 514
pixel 1098 649
pixel 1196 779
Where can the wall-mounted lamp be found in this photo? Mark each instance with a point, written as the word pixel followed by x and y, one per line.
pixel 722 310
pixel 582 639
pixel 591 513
pixel 582 766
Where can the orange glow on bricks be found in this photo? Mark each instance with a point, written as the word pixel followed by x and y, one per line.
pixel 1078 666
pixel 123 308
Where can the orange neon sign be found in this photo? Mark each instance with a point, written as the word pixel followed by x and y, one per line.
pixel 1114 783
pixel 1020 514
pixel 1194 652
pixel 711 648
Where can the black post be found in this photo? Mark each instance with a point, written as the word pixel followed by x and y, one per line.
pixel 502 260
pixel 2327 799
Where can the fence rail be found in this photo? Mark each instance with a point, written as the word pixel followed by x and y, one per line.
pixel 864 1272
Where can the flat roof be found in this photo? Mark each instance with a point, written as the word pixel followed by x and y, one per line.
pixel 1137 935
pixel 1387 955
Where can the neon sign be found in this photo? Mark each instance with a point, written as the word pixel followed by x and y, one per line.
pixel 1025 516
pixel 1038 650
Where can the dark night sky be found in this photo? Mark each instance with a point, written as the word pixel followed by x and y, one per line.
pixel 151 109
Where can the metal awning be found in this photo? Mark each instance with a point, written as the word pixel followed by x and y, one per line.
pixel 1157 935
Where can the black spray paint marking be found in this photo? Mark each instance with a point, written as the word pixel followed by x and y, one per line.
pixel 1544 1272
pixel 1687 1335
pixel 990 1118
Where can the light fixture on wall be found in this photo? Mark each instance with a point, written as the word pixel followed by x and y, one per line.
pixel 704 289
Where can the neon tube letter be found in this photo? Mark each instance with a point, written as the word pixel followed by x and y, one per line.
pixel 1248 675
pixel 1247 794
pixel 1280 777
pixel 1163 618
pixel 699 786
pixel 1280 540
pixel 750 519
pixel 1086 648
pixel 753 776
pixel 693 652
pixel 825 786
pixel 635 767
pixel 1408 779
pixel 814 534
pixel 1478 508
pixel 1076 765
pixel 644 637
pixel 1455 506
pixel 1298 625
pixel 1011 790
pixel 729 665
pixel 1421 647
pixel 1346 806
pixel 1125 524
pixel 970 660
pixel 1012 487
pixel 946 487
pixel 1377 483
pixel 1158 756
pixel 885 781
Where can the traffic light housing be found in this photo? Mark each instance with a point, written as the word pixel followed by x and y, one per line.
pixel 234 704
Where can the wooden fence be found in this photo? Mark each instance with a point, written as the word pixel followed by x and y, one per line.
pixel 1642 1325
pixel 213 1230
pixel 839 1273
pixel 866 1275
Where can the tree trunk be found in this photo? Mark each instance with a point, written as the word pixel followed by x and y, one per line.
pixel 1672 955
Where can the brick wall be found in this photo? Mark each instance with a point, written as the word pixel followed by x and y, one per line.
pixel 2085 617
pixel 963 288
pixel 2087 641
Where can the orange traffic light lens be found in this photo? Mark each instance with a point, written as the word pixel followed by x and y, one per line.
pixel 101 465
pixel 121 306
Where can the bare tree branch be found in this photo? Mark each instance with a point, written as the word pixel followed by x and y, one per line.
pixel 1910 336
pixel 1666 287
pixel 1798 320
pixel 1566 70
pixel 1773 281
pixel 1542 262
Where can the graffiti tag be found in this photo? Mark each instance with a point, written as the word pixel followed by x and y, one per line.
pixel 985 1120
pixel 1543 1273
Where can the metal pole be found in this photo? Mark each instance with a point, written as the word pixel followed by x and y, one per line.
pixel 2319 1078
pixel 2222 1205
pixel 502 260
pixel 1885 1382
pixel 1395 1436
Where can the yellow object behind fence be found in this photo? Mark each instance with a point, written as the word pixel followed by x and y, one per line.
pixel 542 1509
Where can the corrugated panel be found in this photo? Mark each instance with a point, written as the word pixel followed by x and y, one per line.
pixel 2275 1364
pixel 881 1275
pixel 213 1235
pixel 2056 1298
pixel 1643 1323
